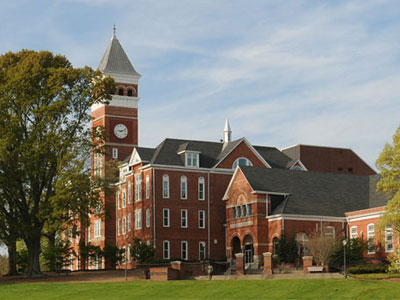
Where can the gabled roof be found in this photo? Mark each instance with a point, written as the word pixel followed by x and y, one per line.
pixel 116 61
pixel 274 157
pixel 315 193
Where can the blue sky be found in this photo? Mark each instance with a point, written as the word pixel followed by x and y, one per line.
pixel 283 72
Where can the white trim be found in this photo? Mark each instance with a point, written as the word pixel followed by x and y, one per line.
pixel 255 152
pixel 269 193
pixel 187 169
pixel 124 78
pixel 368 216
pixel 296 217
pixel 113 116
pixel 118 101
pixel 188 151
pixel 169 249
pixel 186 218
pixel 120 144
pixel 371 238
pixel 225 197
pixel 186 251
pixel 300 163
pixel 168 218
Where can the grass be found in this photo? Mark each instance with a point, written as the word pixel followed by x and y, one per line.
pixel 376 276
pixel 230 289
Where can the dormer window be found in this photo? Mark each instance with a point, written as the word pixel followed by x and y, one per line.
pixel 241 161
pixel 192 159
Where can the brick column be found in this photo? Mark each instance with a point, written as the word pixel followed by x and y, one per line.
pixel 239 263
pixel 267 263
pixel 178 265
pixel 307 262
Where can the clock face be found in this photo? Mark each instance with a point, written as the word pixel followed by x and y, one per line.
pixel 120 131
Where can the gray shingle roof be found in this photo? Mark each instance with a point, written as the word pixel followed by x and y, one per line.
pixel 316 193
pixel 274 157
pixel 116 61
pixel 146 154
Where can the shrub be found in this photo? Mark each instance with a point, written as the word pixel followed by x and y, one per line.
pixel 56 256
pixel 320 248
pixel 3 265
pixel 286 250
pixel 366 269
pixel 141 252
pixel 394 261
pixel 354 253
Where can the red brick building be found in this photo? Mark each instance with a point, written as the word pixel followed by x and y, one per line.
pixel 196 200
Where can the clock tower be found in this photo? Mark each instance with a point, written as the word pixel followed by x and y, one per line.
pixel 119 118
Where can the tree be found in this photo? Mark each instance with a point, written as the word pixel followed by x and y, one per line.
pixel 354 253
pixel 57 255
pixel 141 252
pixel 320 248
pixel 286 249
pixel 113 255
pixel 44 105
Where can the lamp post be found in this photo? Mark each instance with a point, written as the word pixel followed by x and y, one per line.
pixel 344 258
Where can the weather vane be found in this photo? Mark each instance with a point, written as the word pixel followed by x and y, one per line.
pixel 114 29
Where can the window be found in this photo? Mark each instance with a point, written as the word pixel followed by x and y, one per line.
pixel 129 253
pixel 130 93
pixel 329 232
pixel 275 243
pixel 118 200
pixel 202 216
pixel 115 153
pixel 184 221
pixel 301 237
pixel 166 249
pixel 244 210
pixel 120 92
pixel 202 250
pixel 183 187
pixel 97 228
pixel 234 213
pixel 238 212
pixel 129 222
pixel 89 233
pixel 119 227
pixel 123 199
pixel 249 209
pixel 147 218
pixel 241 161
pixel 138 219
pixel 138 187
pixel 98 164
pixel 389 238
pixel 123 225
pixel 165 186
pixel 192 159
pixel 129 192
pixel 201 188
pixel 353 232
pixel 371 238
pixel 184 250
pixel 147 187
pixel 166 217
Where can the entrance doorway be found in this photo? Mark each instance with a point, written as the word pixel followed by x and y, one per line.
pixel 248 250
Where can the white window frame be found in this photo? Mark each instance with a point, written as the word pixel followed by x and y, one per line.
pixel 184 218
pixel 192 159
pixel 129 222
pixel 138 219
pixel 353 232
pixel 115 153
pixel 371 238
pixel 118 200
pixel 236 162
pixel 166 217
pixel 165 186
pixel 389 242
pixel 138 187
pixel 123 198
pixel 202 245
pixel 148 218
pixel 166 249
pixel 119 227
pixel 123 225
pixel 184 189
pixel 329 232
pixel 97 228
pixel 129 192
pixel 129 253
pixel 184 250
pixel 201 188
pixel 147 186
pixel 202 219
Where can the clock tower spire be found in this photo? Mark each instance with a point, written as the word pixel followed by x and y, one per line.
pixel 119 118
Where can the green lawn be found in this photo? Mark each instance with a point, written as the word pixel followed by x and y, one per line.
pixel 240 289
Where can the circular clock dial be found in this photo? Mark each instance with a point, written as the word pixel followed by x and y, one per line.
pixel 120 131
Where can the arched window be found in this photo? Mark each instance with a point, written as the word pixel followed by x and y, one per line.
pixel 165 186
pixel 201 188
pixel 329 232
pixel 121 92
pixel 183 187
pixel 353 232
pixel 130 93
pixel 241 161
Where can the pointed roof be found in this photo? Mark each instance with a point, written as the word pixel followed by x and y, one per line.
pixel 115 60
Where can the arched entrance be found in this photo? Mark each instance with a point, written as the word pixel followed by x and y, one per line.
pixel 235 244
pixel 248 249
